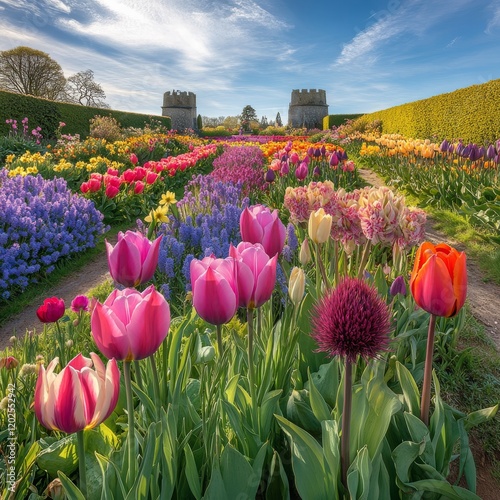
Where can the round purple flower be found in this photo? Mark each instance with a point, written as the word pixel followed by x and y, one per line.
pixel 352 320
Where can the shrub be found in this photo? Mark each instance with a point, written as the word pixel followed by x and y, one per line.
pixel 105 127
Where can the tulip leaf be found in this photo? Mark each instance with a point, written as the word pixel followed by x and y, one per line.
pixel 318 404
pixel 71 490
pixel 216 489
pixel 409 387
pixel 107 466
pixel 443 488
pixel 480 416
pixel 311 478
pixel 59 455
pixel 277 485
pixel 330 442
pixel 404 455
pixel 192 474
pixel 358 475
pixel 268 408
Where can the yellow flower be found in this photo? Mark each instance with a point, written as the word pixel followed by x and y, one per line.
pixel 168 199
pixel 158 215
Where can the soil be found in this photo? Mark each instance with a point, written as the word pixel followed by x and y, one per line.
pixel 483 299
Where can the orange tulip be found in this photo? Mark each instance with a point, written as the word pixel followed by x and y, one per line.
pixel 438 282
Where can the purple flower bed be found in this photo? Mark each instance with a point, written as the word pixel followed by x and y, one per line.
pixel 41 222
pixel 241 164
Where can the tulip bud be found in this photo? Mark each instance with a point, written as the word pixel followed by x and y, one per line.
pixel 305 253
pixel 297 285
pixel 9 363
pixel 13 339
pixel 55 490
pixel 490 152
pixel 320 225
pixel 270 176
pixel 69 343
pixel 444 146
pixel 398 286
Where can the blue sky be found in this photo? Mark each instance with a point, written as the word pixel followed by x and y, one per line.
pixel 367 55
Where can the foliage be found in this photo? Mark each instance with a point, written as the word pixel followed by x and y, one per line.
pixel 28 71
pixel 248 115
pixel 468 114
pixel 330 121
pixel 48 114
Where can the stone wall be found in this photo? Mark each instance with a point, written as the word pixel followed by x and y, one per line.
pixel 307 108
pixel 181 107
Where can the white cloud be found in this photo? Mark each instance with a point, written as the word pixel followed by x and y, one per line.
pixel 494 22
pixel 414 17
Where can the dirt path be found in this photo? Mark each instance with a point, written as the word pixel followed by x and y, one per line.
pixel 483 297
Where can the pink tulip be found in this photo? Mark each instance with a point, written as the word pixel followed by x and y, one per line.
pixel 133 259
pixel 259 225
pixel 80 303
pixel 139 187
pixel 134 159
pixel 78 397
pixel 214 288
pixel 130 325
pixel 256 274
pixel 302 171
pixel 111 191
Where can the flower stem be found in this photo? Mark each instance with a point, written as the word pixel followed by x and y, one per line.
pixel 80 446
pixel 132 457
pixel 156 385
pixel 426 388
pixel 346 421
pixel 364 259
pixel 321 266
pixel 137 370
pixel 219 340
pixel 251 371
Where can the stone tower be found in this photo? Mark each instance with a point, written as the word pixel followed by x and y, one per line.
pixel 307 108
pixel 181 107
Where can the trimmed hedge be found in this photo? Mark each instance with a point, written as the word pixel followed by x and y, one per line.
pixel 47 114
pixel 470 114
pixel 330 121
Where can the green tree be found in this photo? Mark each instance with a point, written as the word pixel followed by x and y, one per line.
pixel 279 123
pixel 81 88
pixel 199 122
pixel 28 71
pixel 248 115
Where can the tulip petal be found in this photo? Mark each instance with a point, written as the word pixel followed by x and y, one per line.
pixel 432 288
pixel 148 325
pixel 265 282
pixel 250 228
pixel 43 410
pixel 109 333
pixel 150 260
pixel 124 262
pixel 69 415
pixel 460 281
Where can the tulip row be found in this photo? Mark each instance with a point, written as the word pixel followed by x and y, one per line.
pixel 451 176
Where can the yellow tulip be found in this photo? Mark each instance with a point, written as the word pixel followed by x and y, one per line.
pixel 320 225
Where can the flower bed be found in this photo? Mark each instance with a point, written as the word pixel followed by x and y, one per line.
pixel 42 222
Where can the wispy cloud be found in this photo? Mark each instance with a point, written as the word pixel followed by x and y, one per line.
pixel 412 17
pixel 494 22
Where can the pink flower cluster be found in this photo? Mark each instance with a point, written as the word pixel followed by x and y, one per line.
pixel 374 214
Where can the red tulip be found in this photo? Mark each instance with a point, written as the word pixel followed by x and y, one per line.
pixel 139 187
pixel 256 274
pixel 112 191
pixel 84 188
pixel 130 325
pixel 78 397
pixel 438 282
pixel 134 159
pixel 94 185
pixel 51 310
pixel 151 177
pixel 214 288
pixel 133 259
pixel 128 176
pixel 259 225
pixel 9 363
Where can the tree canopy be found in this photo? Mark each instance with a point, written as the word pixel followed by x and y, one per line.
pixel 81 88
pixel 28 71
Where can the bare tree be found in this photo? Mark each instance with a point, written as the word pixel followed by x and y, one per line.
pixel 81 88
pixel 28 71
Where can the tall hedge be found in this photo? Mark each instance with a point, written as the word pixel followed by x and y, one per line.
pixel 47 114
pixel 470 113
pixel 330 121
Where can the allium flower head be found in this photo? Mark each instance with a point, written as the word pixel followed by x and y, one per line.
pixel 352 320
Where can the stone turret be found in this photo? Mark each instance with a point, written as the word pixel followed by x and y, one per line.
pixel 181 107
pixel 307 108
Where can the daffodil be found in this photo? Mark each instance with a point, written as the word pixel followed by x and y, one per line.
pixel 168 199
pixel 158 215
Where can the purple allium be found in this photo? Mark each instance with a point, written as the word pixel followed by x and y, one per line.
pixel 352 320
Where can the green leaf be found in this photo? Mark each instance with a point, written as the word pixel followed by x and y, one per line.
pixel 480 416
pixel 58 455
pixel 318 404
pixel 443 488
pixel 69 487
pixel 299 411
pixel 404 455
pixel 331 447
pixel 409 387
pixel 216 490
pixel 359 484
pixel 277 485
pixel 192 474
pixel 311 478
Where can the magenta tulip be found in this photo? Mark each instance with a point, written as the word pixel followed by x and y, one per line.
pixel 214 288
pixel 51 310
pixel 80 303
pixel 256 273
pixel 259 225
pixel 130 325
pixel 133 260
pixel 78 397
